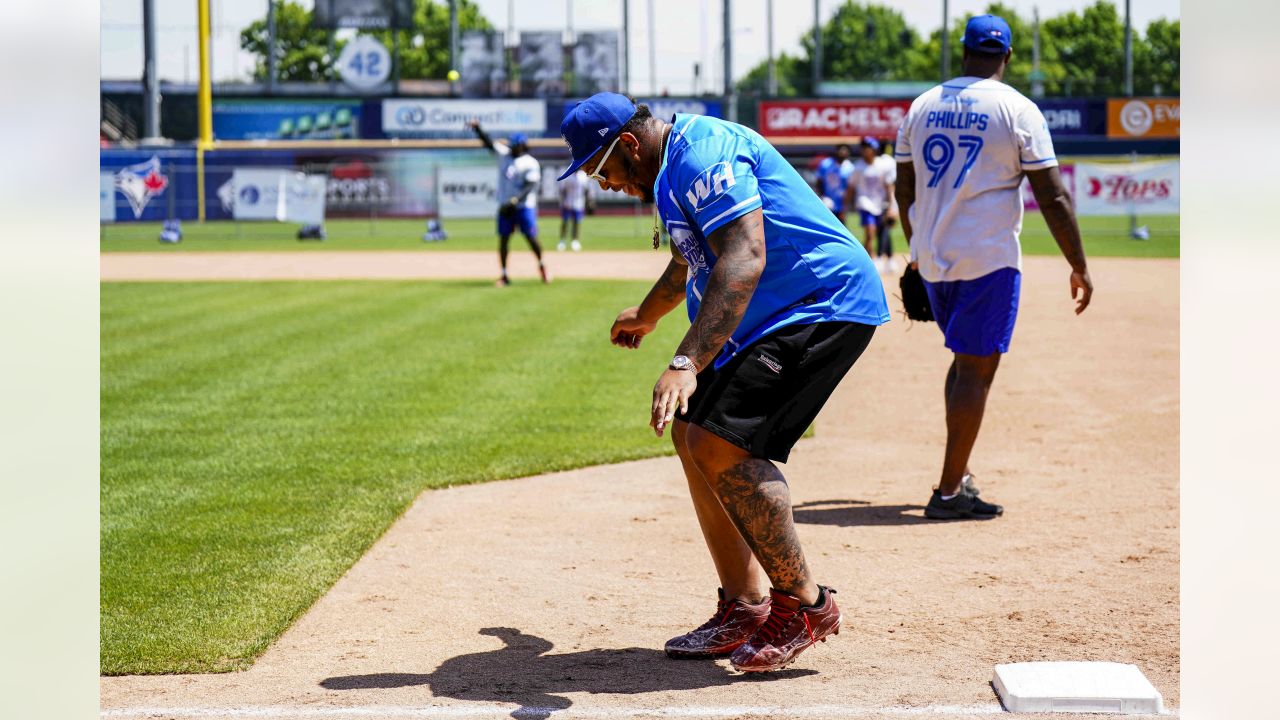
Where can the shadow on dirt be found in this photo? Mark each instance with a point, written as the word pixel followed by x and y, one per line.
pixel 857 513
pixel 523 672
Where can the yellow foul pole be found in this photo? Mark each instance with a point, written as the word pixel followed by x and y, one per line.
pixel 204 103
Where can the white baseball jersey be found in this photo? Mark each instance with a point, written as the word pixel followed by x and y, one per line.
pixel 871 181
pixel 514 173
pixel 970 140
pixel 573 191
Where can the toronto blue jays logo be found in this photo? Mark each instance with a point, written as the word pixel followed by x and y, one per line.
pixel 141 182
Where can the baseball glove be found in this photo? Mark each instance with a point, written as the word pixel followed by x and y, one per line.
pixel 914 298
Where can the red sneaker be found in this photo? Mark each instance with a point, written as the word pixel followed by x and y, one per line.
pixel 790 629
pixel 733 623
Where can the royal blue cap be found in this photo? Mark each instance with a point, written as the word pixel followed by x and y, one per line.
pixel 871 142
pixel 518 139
pixel 988 34
pixel 593 124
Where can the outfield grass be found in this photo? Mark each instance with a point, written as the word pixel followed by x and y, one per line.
pixel 257 438
pixel 1103 236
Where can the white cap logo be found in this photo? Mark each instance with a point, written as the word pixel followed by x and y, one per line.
pixel 1136 118
pixel 603 131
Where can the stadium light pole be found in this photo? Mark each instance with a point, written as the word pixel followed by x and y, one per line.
pixel 773 65
pixel 653 53
pixel 946 42
pixel 453 42
pixel 817 46
pixel 271 47
pixel 1128 51
pixel 730 99
pixel 150 83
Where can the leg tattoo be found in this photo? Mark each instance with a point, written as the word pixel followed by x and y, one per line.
pixel 757 499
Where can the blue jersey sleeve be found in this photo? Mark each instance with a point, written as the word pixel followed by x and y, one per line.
pixel 714 181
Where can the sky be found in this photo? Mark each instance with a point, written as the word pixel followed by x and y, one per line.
pixel 685 32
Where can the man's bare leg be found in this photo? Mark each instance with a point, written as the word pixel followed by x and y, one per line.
pixel 968 382
pixel 740 573
pixel 755 496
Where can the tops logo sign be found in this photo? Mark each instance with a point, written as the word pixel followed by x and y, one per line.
pixel 817 118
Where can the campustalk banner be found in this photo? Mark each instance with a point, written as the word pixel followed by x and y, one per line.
pixel 429 117
pixel 830 118
pixel 1121 189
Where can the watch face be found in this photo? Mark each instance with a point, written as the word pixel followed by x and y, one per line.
pixel 680 362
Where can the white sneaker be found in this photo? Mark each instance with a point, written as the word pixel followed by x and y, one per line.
pixel 560 246
pixel 577 246
pixel 893 265
pixel 879 263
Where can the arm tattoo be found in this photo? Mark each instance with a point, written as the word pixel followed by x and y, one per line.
pixel 1055 206
pixel 904 191
pixel 740 251
pixel 668 292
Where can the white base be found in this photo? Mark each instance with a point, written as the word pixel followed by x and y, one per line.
pixel 1084 687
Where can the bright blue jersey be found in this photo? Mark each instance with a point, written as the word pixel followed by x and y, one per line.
pixel 833 175
pixel 714 172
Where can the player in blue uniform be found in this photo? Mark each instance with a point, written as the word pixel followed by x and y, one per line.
pixel 782 302
pixel 831 179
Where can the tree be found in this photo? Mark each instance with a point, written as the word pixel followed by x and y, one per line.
pixel 424 50
pixel 861 42
pixel 1090 51
pixel 302 50
pixel 1156 62
pixel 927 63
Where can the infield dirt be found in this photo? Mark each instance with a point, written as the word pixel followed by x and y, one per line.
pixel 553 593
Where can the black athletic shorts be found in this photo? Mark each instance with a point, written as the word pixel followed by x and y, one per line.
pixel 769 393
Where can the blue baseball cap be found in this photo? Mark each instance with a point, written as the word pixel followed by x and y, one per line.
pixel 871 142
pixel 988 34
pixel 592 124
pixel 518 139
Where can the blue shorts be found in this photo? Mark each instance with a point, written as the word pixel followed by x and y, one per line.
pixel 526 218
pixel 869 218
pixel 837 203
pixel 571 214
pixel 977 316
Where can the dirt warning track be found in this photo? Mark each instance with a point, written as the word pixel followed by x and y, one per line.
pixel 552 596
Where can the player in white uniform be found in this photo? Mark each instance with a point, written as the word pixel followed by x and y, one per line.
pixel 518 177
pixel 962 152
pixel 870 194
pixel 574 191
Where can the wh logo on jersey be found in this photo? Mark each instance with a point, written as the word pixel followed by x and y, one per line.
pixel 141 182
pixel 710 185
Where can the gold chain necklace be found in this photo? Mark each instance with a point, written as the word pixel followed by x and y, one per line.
pixel 662 159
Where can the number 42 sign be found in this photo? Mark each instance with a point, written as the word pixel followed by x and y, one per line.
pixel 364 63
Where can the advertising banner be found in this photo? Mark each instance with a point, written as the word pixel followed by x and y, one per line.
pixel 1141 188
pixel 300 198
pixel 253 193
pixel 1068 172
pixel 286 119
pixel 1143 118
pixel 1074 117
pixel 595 62
pixel 541 57
pixel 483 64
pixel 815 118
pixel 426 117
pixel 364 14
pixel 467 192
pixel 106 197
pixel 661 107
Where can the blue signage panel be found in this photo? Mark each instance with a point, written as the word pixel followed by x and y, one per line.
pixel 661 107
pixel 1075 117
pixel 286 119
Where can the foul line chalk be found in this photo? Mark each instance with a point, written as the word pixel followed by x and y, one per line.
pixel 469 711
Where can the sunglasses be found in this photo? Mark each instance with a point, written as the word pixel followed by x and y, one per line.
pixel 595 174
